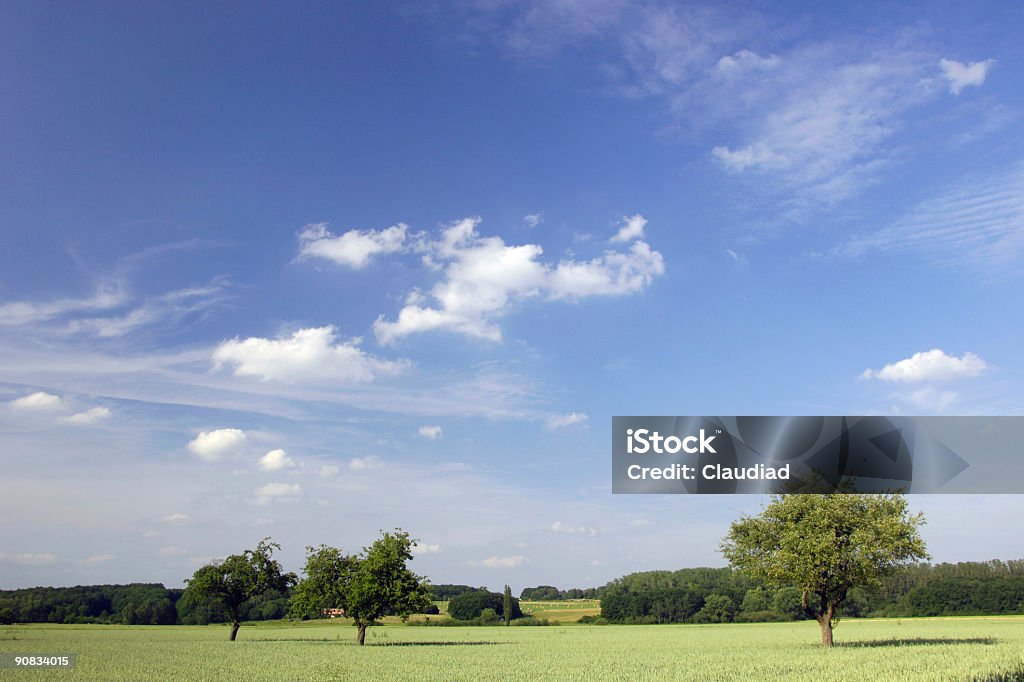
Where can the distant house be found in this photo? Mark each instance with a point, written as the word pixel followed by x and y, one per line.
pixel 332 613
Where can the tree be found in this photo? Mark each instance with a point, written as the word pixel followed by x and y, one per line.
pixel 506 605
pixel 825 545
pixel 382 585
pixel 238 578
pixel 328 575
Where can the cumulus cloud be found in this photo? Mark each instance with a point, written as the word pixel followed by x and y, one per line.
pixel 484 276
pixel 212 445
pixel 962 75
pixel 562 420
pixel 275 460
pixel 500 562
pixel 932 365
pixel 431 432
pixel 354 248
pixel 366 463
pixel 39 400
pixel 176 517
pixel 277 491
pixel 308 355
pixel 569 529
pixel 91 416
pixel 421 548
pixel 633 228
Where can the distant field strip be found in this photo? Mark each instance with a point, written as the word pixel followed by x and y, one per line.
pixel 909 649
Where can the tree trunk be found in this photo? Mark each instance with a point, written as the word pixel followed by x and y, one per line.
pixel 361 637
pixel 826 631
pixel 234 629
pixel 825 621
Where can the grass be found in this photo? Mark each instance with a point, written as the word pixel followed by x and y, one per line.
pixel 909 649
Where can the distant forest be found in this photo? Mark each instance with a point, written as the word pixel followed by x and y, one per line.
pixel 687 595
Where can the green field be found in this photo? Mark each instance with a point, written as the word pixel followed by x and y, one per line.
pixel 921 649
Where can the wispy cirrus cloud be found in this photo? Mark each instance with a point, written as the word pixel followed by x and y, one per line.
pixel 979 222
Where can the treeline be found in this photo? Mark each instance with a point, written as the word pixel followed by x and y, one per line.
pixel 135 604
pixel 721 595
pixel 549 593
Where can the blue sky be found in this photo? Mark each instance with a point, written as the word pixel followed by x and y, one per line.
pixel 310 273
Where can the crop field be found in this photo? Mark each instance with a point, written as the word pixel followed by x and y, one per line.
pixel 568 611
pixel 918 649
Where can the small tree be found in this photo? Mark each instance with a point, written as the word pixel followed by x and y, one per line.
pixel 239 578
pixel 506 609
pixel 825 545
pixel 382 585
pixel 328 574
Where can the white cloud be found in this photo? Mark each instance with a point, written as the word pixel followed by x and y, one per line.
pixel 211 445
pixel 569 529
pixel 308 355
pixel 932 400
pixel 97 559
pixel 500 562
pixel 421 548
pixel 277 491
pixel 354 248
pixel 172 551
pixel 633 228
pixel 532 220
pixel 20 313
pixel 483 277
pixel 979 222
pixel 29 558
pixel 744 60
pixel 613 274
pixel 171 307
pixel 738 257
pixel 275 460
pixel 329 471
pixel 90 416
pixel 962 75
pixel 932 365
pixel 568 419
pixel 431 432
pixel 176 517
pixel 39 400
pixel 366 463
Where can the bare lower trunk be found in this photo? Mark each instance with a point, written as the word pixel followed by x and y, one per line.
pixel 826 632
pixel 234 629
pixel 361 637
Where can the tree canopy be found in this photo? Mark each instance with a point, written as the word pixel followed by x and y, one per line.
pixel 328 573
pixel 239 578
pixel 826 545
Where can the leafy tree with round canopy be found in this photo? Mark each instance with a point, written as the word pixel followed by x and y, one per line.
pixel 825 545
pixel 239 578
pixel 382 585
pixel 328 574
